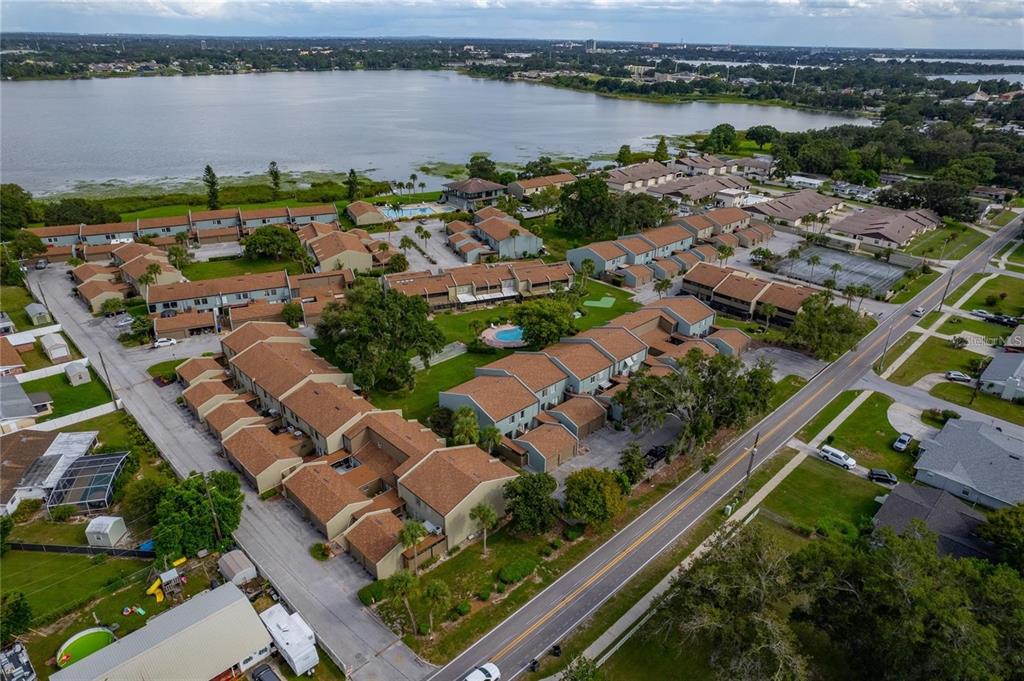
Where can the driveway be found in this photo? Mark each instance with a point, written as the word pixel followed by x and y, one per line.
pixel 785 362
pixel 273 533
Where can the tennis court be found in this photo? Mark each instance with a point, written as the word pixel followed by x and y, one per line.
pixel 853 269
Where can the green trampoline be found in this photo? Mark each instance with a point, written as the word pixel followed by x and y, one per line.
pixel 83 644
pixel 606 301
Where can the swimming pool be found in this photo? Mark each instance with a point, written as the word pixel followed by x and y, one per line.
pixel 83 644
pixel 406 212
pixel 512 335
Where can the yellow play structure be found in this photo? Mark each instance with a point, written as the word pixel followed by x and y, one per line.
pixel 155 590
pixel 169 582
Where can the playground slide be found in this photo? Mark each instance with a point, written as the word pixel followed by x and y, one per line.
pixel 159 595
pixel 153 588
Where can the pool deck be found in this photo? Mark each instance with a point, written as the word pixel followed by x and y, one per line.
pixel 490 336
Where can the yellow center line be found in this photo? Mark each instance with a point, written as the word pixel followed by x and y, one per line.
pixel 646 535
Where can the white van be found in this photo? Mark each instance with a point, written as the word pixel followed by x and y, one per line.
pixel 837 456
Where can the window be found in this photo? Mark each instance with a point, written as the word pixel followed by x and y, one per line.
pixel 522 414
pixel 966 492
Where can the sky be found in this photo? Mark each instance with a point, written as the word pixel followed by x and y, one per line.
pixel 987 24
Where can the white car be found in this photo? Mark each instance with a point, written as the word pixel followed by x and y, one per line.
pixel 486 672
pixel 981 313
pixel 164 342
pixel 958 376
pixel 837 456
pixel 918 312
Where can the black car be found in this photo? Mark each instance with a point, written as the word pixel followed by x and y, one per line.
pixel 882 475
pixel 264 673
pixel 1004 319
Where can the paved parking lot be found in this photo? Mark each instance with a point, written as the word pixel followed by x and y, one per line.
pixel 436 246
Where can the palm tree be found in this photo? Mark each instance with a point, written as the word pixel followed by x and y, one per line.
pixel 423 186
pixel 485 516
pixel 587 268
pixel 662 286
pixel 412 181
pixel 769 311
pixel 836 268
pixel 410 535
pixel 490 437
pixel 149 276
pixel 724 253
pixel 793 253
pixel 405 243
pixel 400 586
pixel 439 596
pixel 813 261
pixel 862 291
pixel 850 290
pixel 514 233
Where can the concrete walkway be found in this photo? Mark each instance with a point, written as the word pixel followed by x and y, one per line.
pixel 907 419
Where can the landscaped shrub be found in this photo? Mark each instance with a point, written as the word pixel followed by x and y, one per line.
pixel 462 608
pixel 319 551
pixel 484 594
pixel 270 494
pixel 98 559
pixel 546 551
pixel 948 414
pixel 499 587
pixel 26 509
pixel 372 593
pixel 573 532
pixel 59 514
pixel 517 570
pixel 556 544
pixel 424 630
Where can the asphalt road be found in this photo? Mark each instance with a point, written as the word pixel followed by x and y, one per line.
pixel 556 611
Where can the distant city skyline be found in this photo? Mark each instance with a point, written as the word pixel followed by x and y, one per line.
pixel 908 24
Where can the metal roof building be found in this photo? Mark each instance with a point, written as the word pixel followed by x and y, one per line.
pixel 212 633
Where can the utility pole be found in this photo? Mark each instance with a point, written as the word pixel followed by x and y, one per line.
pixel 881 360
pixel 945 291
pixel 750 465
pixel 213 511
pixel 103 365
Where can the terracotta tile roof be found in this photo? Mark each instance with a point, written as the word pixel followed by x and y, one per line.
pixel 881 223
pixel 536 370
pixel 261 213
pixel 697 222
pixel 764 228
pixel 500 229
pixel 709 253
pixel 635 245
pixel 741 287
pixel 9 357
pixel 312 230
pixel 786 297
pixel 254 332
pixel 109 228
pixel 199 394
pixel 256 310
pixel 727 240
pixel 734 338
pixel 707 275
pixel 183 321
pixel 55 230
pixel 616 341
pixel 335 243
pixel 458 226
pixel 581 410
pixel 666 234
pixel 89 270
pixel 230 413
pixel 159 293
pixel 191 368
pixel 488 212
pixel 538 272
pixel 170 221
pixel 546 181
pixel 219 214
pixel 669 265
pixel 138 266
pixel 606 250
pixel 323 491
pixel 279 367
pixel 89 250
pixel 685 347
pixel 326 406
pixel 128 252
pixel 689 259
pixel 582 359
pixel 360 208
pixel 385 501
pixel 375 535
pixel 91 289
pixel 642 273
pixel 688 308
pixel 447 476
pixel 553 441
pixel 634 320
pixel 498 396
pixel 420 283
pixel 727 215
pixel 320 209
pixel 335 279
pixel 409 437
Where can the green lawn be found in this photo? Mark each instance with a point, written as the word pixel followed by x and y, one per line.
pixel 962 290
pixel 867 436
pixel 817 490
pixel 934 356
pixel 1004 218
pixel 54 581
pixel 958 393
pixel 1008 294
pixel 1018 255
pixel 895 350
pixel 13 300
pixel 236 267
pixel 68 399
pixel 930 244
pixel 957 324
pixel 556 240
pixel 773 334
pixel 45 532
pixel 421 400
pixel 113 429
pixel 165 369
pixel 826 415
pixel 914 287
pixel 786 387
pixel 929 319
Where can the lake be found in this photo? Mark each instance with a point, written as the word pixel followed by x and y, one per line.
pixel 56 134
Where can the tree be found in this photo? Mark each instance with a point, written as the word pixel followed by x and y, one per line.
pixel 662 286
pixel 6 525
pixel 762 135
pixel 544 321
pixel 825 329
pixel 835 268
pixel 274 173
pixel 546 198
pixel 529 502
pixel 482 167
pixel 1005 529
pixel 769 311
pixel 439 596
pixel 721 138
pixel 958 342
pixel 509 204
pixel 398 263
pixel 582 278
pixel 724 253
pixel 292 314
pixel 178 256
pixel 631 462
pixel 181 238
pixel 593 495
pixel 193 513
pixel 625 155
pixel 15 616
pixel 400 586
pixel 112 305
pixel 729 600
pixel 17 211
pixel 149 276
pixel 405 243
pixel 661 151
pixel 813 261
pixel 78 212
pixel 141 498
pixel 587 207
pixel 410 535
pixel 212 188
pixel 24 245
pixel 582 669
pixel 485 516
pixel 542 167
pixel 465 427
pixel 441 421
pixel 514 233
pixel 351 185
pixel 272 241
pixel 10 269
pixel 490 437
pixel 377 332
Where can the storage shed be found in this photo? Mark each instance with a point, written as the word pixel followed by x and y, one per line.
pixel 55 347
pixel 38 314
pixel 77 373
pixel 105 531
pixel 236 567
